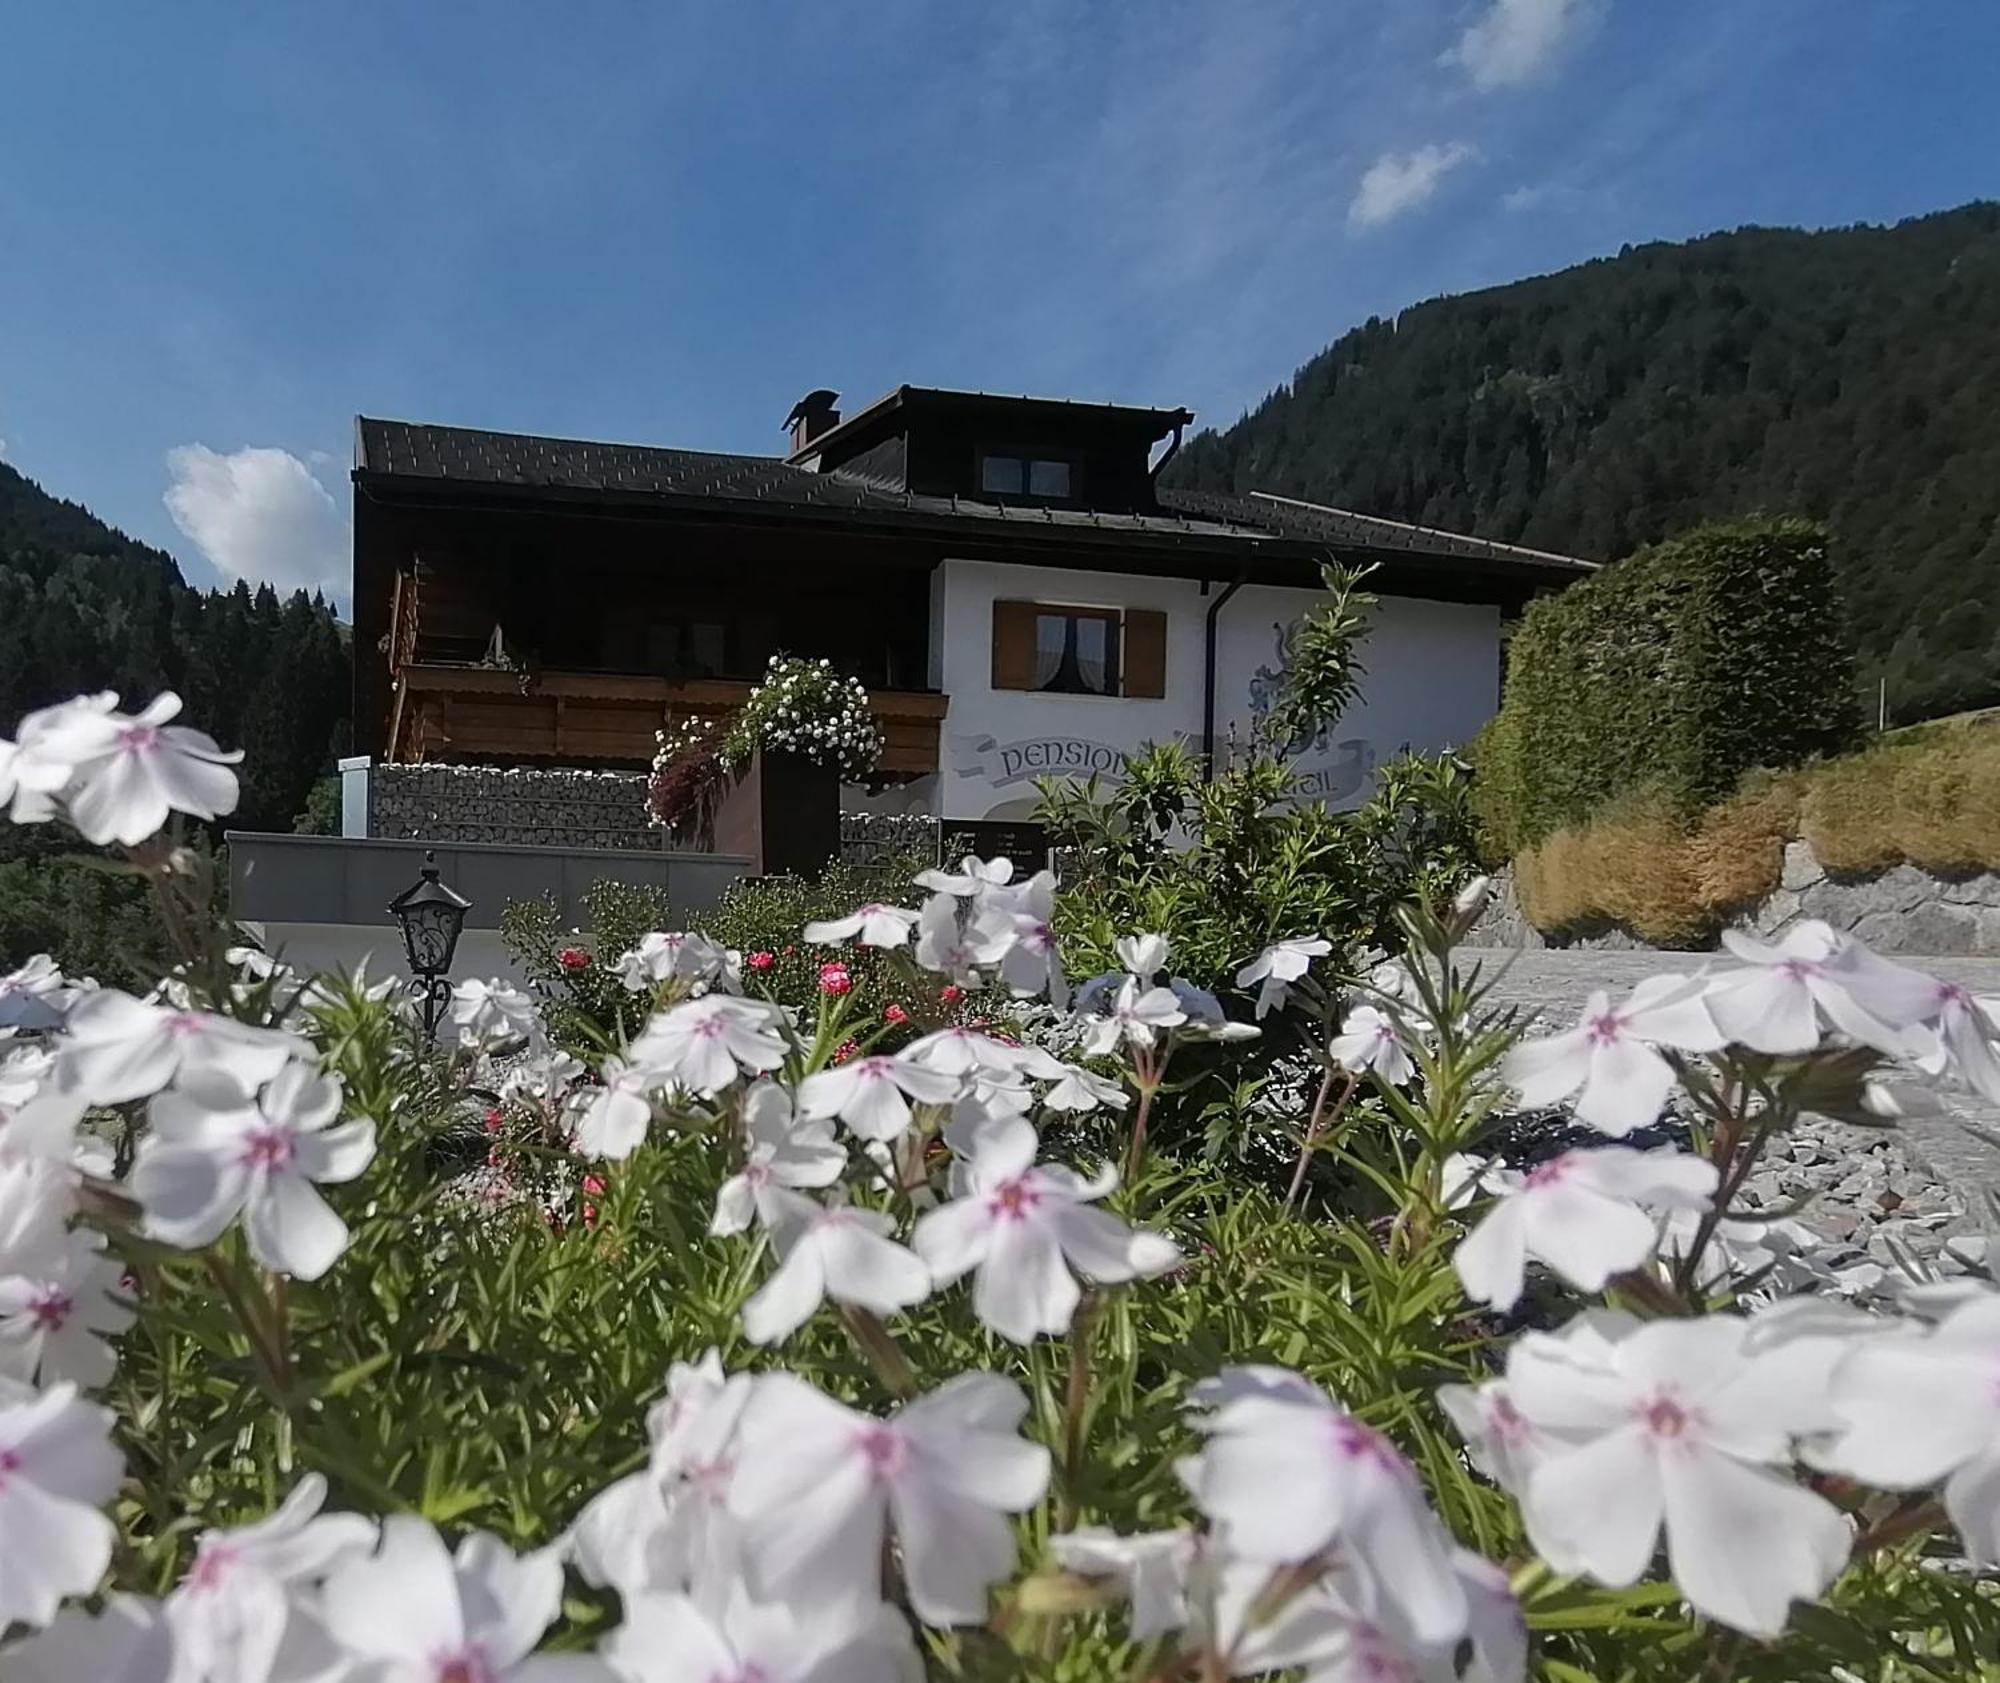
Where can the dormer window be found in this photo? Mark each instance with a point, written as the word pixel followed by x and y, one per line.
pixel 1020 474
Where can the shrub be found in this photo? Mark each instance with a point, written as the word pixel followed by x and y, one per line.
pixel 1675 671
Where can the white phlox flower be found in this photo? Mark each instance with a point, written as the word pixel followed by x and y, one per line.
pixel 130 770
pixel 1924 1407
pixel 1966 1027
pixel 872 1094
pixel 413 1613
pixel 214 1152
pixel 946 944
pixel 1150 1569
pixel 705 1044
pixel 1020 1228
pixel 968 1052
pixel 1585 1214
pixel 817 1484
pixel 837 1251
pixel 678 956
pixel 1078 1089
pixel 1013 930
pixel 1674 1425
pixel 1138 1015
pixel 1143 955
pixel 674 1639
pixel 1370 1044
pixel 130 1641
pixel 34 769
pixel 1278 966
pixel 1286 1473
pixel 780 1149
pixel 1503 1445
pixel 611 1119
pixel 115 1048
pixel 973 876
pixel 241 1615
pixel 877 925
pixel 1778 995
pixel 1610 1059
pixel 57 1313
pixel 486 1013
pixel 60 1469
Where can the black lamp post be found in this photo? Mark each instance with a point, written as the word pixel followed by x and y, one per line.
pixel 431 915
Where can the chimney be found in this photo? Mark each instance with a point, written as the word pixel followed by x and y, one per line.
pixel 811 416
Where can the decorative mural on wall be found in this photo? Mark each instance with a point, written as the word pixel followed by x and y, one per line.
pixel 1329 770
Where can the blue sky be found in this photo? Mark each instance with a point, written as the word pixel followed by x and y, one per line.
pixel 224 229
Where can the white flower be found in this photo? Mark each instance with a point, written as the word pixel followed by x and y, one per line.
pixel 54 1318
pixel 816 1481
pixel 964 1051
pixel 1151 1570
pixel 1288 1473
pixel 215 1152
pixel 702 1044
pixel 612 1119
pixel 1023 1227
pixel 780 1150
pixel 672 1639
pixel 1080 1089
pixel 868 1094
pixel 491 1011
pixel 1278 966
pixel 944 945
pixel 876 924
pixel 1138 1015
pixel 129 1642
pixel 1775 1001
pixel 131 770
pixel 32 772
pixel 1013 928
pixel 238 1616
pixel 1503 1445
pixel 37 1196
pixel 23 1070
pixel 973 876
pixel 60 1468
pixel 1369 1044
pixel 1967 1027
pixel 1142 955
pixel 1922 1407
pixel 667 1527
pixel 1610 1054
pixel 1674 1424
pixel 35 995
pixel 839 1252
pixel 1584 1214
pixel 117 1048
pixel 676 956
pixel 411 1613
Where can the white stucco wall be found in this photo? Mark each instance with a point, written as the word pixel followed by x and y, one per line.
pixel 1433 679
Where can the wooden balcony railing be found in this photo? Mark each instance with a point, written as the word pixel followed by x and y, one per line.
pixel 478 712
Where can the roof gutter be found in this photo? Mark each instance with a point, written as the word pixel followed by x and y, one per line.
pixel 1208 675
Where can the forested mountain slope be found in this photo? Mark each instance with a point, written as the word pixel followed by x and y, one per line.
pixel 1852 375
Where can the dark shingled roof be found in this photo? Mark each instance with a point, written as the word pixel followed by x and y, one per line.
pixel 418 451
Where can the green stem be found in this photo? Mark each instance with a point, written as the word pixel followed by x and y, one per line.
pixel 1076 1403
pixel 884 1354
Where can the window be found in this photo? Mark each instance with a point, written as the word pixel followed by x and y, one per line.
pixel 1076 651
pixel 682 648
pixel 1057 649
pixel 1026 476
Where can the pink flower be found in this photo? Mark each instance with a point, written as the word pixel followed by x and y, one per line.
pixel 845 1050
pixel 834 979
pixel 589 1215
pixel 495 1120
pixel 760 961
pixel 951 993
pixel 895 1014
pixel 573 959
pixel 594 1185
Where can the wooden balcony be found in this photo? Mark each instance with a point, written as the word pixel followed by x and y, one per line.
pixel 450 712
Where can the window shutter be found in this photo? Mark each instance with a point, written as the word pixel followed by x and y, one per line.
pixel 1145 653
pixel 1013 645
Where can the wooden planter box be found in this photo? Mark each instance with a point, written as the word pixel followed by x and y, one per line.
pixel 784 813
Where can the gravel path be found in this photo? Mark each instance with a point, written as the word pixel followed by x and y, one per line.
pixel 1920 1187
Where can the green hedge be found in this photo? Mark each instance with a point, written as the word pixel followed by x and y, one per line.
pixel 1677 670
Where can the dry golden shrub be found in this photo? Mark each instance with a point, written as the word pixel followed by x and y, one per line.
pixel 1736 853
pixel 1930 795
pixel 1630 868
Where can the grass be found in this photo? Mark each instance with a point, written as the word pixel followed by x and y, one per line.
pixel 1928 794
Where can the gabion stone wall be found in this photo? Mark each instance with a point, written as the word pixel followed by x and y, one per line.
pixel 526 807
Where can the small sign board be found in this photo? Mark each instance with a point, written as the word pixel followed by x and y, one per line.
pixel 1024 842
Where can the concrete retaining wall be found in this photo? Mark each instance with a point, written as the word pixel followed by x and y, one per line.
pixel 518 808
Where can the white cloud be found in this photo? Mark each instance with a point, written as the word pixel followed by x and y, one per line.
pixel 260 515
pixel 1400 181
pixel 1517 39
